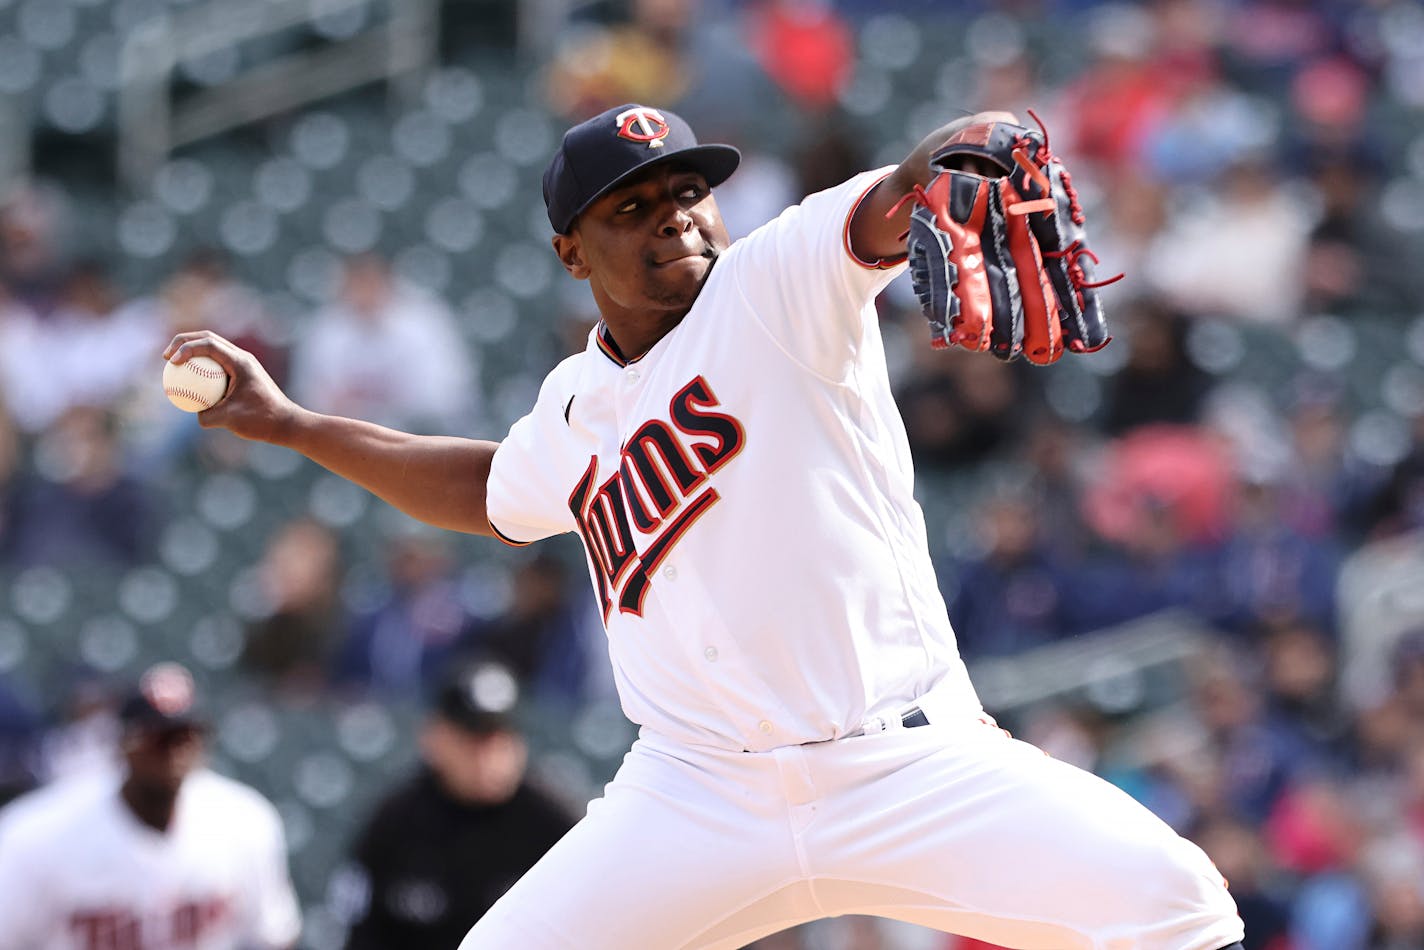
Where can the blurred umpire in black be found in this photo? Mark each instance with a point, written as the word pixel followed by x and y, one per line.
pixel 446 844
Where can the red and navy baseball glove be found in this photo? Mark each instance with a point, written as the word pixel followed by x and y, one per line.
pixel 1002 263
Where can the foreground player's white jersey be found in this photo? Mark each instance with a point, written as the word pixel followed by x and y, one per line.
pixel 745 495
pixel 79 872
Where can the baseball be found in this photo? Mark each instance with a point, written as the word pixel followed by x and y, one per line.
pixel 195 385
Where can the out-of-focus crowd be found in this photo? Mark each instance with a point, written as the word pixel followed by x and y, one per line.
pixel 1255 167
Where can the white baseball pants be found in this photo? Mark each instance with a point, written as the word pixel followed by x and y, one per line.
pixel 954 827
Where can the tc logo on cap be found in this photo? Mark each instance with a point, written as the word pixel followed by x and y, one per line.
pixel 641 124
pixel 168 688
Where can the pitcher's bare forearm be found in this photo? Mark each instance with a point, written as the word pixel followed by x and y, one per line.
pixel 437 479
pixel 873 235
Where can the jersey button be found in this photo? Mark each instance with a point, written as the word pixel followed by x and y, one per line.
pixel 632 375
pixel 765 726
pixel 670 572
pixel 711 654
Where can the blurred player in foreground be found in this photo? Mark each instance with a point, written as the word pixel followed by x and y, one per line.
pixel 447 844
pixel 729 451
pixel 165 855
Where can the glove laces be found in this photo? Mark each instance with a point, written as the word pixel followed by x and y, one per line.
pixel 1072 254
pixel 1033 157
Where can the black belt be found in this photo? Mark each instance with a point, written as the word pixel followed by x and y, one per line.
pixel 914 716
pixel 909 719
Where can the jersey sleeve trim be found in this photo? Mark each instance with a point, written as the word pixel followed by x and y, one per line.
pixel 507 539
pixel 884 263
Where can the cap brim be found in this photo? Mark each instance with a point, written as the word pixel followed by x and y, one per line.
pixel 156 727
pixel 714 162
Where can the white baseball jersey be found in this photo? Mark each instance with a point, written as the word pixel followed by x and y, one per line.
pixel 78 871
pixel 744 491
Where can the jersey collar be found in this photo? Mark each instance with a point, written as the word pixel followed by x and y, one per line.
pixel 609 348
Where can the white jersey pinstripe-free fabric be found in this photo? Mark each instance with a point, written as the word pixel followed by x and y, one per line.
pixel 781 591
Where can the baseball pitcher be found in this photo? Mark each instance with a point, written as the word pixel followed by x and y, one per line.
pixel 728 451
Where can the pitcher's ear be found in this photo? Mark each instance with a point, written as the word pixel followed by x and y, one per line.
pixel 570 251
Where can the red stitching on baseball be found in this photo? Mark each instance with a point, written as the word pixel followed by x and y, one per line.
pixel 187 394
pixel 203 371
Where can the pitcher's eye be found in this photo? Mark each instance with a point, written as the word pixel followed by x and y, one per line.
pixel 627 206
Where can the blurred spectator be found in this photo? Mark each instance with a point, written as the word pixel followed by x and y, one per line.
pixel 167 854
pixel 1412 790
pixel 762 188
pixel 299 578
pixel 1057 454
pixel 34 241
pixel 545 633
pixel 828 153
pixel 1355 263
pixel 1325 489
pixel 1113 104
pixel 79 507
pixel 387 352
pixel 1276 35
pixel 1330 912
pixel 958 411
pixel 447 843
pixel 641 60
pixel 1394 871
pixel 1397 505
pixel 1009 82
pixel 1182 472
pixel 1211 127
pixel 399 638
pixel 1158 383
pixel 1256 761
pixel 1300 681
pixel 1408 668
pixel 1271 572
pixel 1236 250
pixel 90 351
pixel 1154 568
pixel 1261 893
pixel 1014 596
pixel 1315 828
pixel 20 349
pixel 680 54
pixel 1380 737
pixel 806 47
pixel 1131 217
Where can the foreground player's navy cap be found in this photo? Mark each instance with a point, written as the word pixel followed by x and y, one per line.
pixel 599 153
pixel 164 699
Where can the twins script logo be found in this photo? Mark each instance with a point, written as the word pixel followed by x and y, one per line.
pixel 641 124
pixel 659 491
pixel 112 928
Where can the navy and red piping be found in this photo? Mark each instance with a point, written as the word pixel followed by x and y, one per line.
pixel 506 539
pixel 609 348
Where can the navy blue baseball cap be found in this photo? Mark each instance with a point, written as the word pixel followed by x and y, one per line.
pixel 600 153
pixel 164 699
